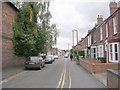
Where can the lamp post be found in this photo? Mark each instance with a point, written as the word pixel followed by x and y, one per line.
pixel 76 37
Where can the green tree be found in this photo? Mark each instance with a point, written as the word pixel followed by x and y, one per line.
pixel 30 36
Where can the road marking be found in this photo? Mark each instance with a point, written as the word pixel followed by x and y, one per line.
pixel 62 78
pixel 12 77
pixel 63 82
pixel 69 79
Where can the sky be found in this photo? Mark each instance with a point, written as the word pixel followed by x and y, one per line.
pixel 76 14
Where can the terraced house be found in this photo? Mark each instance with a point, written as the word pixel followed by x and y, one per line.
pixel 103 41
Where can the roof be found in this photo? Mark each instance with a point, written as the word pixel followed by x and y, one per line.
pixel 97 26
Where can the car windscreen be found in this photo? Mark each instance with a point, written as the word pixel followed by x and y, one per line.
pixel 34 59
pixel 48 57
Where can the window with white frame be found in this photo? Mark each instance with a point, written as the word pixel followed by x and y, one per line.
pixel 111 58
pixel 101 33
pixel 114 52
pixel 106 30
pixel 100 51
pixel 93 52
pixel 115 24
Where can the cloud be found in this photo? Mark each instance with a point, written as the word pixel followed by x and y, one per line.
pixel 76 14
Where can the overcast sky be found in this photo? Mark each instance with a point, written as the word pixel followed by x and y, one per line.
pixel 76 14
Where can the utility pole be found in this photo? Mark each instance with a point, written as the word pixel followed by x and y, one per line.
pixel 76 37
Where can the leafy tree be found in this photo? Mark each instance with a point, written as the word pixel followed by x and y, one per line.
pixel 31 37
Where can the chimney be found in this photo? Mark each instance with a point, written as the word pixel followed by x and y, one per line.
pixel 99 20
pixel 113 6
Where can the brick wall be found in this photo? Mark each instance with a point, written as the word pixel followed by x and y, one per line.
pixel 8 57
pixel 113 79
pixel 93 66
pixel 84 43
pixel 118 21
pixel 110 33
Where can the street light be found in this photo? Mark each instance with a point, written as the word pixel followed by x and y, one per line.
pixel 76 35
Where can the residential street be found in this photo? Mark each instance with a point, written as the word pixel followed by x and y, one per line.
pixel 60 44
pixel 63 73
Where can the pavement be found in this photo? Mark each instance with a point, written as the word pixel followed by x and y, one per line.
pixel 102 77
pixel 8 72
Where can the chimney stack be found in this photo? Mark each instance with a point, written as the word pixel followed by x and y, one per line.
pixel 99 20
pixel 113 6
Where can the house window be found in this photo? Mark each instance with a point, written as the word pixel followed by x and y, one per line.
pixel 114 53
pixel 93 52
pixel 106 30
pixel 101 33
pixel 100 51
pixel 111 52
pixel 115 24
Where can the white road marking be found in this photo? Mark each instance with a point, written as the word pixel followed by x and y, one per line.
pixel 69 79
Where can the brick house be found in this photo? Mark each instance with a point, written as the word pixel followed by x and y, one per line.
pixel 82 45
pixel 109 33
pixel 113 36
pixel 8 58
pixel 103 41
pixel 54 51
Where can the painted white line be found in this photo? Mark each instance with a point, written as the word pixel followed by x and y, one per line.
pixel 69 80
pixel 69 74
pixel 12 77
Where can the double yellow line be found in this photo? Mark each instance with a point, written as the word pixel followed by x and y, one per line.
pixel 62 78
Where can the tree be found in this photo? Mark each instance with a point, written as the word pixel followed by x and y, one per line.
pixel 30 36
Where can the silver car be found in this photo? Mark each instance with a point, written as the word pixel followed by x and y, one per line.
pixel 48 59
pixel 33 62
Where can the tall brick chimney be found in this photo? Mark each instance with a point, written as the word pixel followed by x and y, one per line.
pixel 99 20
pixel 113 6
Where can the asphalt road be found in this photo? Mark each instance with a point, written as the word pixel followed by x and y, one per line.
pixel 63 73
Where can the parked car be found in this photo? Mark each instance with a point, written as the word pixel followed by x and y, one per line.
pixel 65 56
pixel 33 62
pixel 48 59
pixel 53 59
pixel 56 56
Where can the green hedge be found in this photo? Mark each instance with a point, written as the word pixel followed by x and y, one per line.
pixel 77 52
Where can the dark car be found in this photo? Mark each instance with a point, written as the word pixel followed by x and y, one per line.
pixel 34 62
